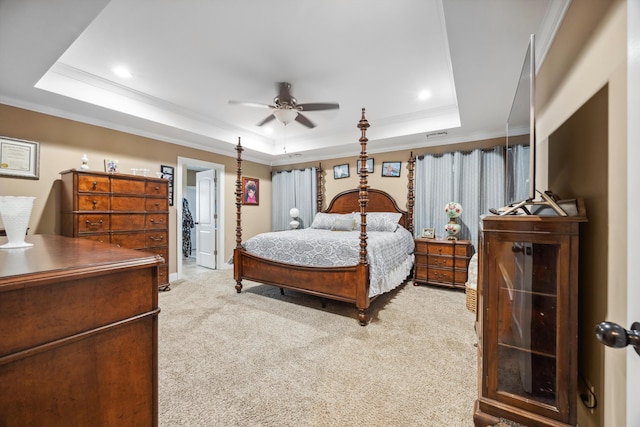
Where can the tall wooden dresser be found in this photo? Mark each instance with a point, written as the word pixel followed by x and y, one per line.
pixel 442 262
pixel 129 211
pixel 79 335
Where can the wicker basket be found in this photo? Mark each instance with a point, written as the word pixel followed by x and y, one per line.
pixel 471 297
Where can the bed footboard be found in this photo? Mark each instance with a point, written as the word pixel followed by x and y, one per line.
pixel 349 284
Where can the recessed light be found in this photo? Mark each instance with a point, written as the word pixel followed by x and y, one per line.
pixel 425 94
pixel 122 72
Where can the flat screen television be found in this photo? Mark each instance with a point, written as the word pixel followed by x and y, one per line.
pixel 520 174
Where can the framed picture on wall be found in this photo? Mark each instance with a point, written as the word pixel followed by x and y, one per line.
pixel 341 171
pixel 250 191
pixel 19 158
pixel 167 173
pixel 391 169
pixel 369 165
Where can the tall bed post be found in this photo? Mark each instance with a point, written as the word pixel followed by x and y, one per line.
pixel 236 264
pixel 362 298
pixel 410 193
pixel 319 193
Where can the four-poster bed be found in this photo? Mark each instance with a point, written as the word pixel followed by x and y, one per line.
pixel 352 282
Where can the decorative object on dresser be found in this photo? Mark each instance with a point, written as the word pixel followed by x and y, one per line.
pixel 453 211
pixel 85 162
pixel 15 212
pixel 528 319
pixel 442 262
pixel 125 210
pixel 79 336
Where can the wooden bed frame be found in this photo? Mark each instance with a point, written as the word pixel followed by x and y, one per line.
pixel 350 284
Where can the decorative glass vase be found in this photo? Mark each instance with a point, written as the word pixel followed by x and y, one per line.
pixel 15 212
pixel 453 211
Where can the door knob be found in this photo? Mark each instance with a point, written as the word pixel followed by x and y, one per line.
pixel 613 335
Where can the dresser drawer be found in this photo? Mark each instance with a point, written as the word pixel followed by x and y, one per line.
pixel 156 204
pixel 93 223
pixel 447 276
pixel 447 261
pixel 126 221
pixel 127 186
pixel 157 221
pixel 93 183
pixel 102 238
pixel 129 240
pixel 156 238
pixel 127 203
pixel 93 202
pixel 155 188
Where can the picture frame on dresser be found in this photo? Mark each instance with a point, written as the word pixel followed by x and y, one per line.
pixel 19 158
pixel 168 174
pixel 428 233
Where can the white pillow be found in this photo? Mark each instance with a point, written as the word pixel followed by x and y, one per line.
pixel 325 220
pixel 381 221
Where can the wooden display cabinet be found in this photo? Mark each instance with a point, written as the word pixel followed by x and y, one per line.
pixel 528 320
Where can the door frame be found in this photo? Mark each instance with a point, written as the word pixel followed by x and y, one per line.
pixel 183 164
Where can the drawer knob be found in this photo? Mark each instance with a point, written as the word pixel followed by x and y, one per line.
pixel 156 239
pixel 93 224
pixel 95 184
pixel 157 188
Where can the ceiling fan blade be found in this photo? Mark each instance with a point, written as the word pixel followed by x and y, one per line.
pixel 267 120
pixel 319 106
pixel 284 93
pixel 251 104
pixel 303 120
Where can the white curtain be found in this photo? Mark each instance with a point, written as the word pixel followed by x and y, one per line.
pixel 517 173
pixel 474 179
pixel 293 189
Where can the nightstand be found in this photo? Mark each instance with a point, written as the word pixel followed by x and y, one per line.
pixel 441 262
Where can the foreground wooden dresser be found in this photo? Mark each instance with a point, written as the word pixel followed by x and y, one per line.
pixel 78 335
pixel 442 262
pixel 130 211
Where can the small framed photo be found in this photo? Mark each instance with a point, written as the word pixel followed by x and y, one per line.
pixel 391 169
pixel 250 191
pixel 428 233
pixel 110 166
pixel 369 166
pixel 341 171
pixel 167 173
pixel 19 158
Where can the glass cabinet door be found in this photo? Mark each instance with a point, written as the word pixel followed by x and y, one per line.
pixel 525 278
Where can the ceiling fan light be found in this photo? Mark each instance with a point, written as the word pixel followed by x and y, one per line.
pixel 285 115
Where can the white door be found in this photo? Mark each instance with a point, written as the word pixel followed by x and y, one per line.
pixel 206 219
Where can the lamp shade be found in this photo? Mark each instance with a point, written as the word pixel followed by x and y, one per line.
pixel 294 213
pixel 285 115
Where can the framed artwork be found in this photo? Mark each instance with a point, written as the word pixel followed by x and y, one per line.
pixel 391 169
pixel 341 171
pixel 19 158
pixel 250 191
pixel 369 166
pixel 167 173
pixel 428 233
pixel 110 166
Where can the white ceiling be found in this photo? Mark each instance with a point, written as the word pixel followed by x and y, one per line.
pixel 189 58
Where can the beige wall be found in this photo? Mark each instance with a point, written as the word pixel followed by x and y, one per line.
pixel 396 187
pixel 62 144
pixel 565 115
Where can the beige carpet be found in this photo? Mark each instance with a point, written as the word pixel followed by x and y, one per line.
pixel 262 359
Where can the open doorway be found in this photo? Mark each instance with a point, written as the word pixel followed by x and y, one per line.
pixel 211 242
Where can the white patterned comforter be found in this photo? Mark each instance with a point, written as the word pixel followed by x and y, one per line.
pixel 390 254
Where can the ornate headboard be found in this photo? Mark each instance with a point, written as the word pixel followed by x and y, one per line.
pixel 379 201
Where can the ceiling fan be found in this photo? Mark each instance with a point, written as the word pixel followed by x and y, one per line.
pixel 286 108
